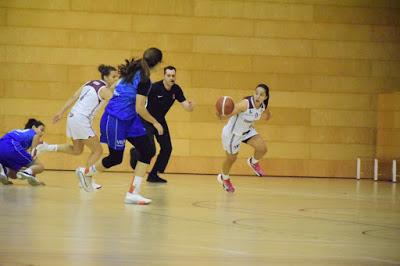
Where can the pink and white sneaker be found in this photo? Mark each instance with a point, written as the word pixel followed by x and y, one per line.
pixel 226 184
pixel 256 167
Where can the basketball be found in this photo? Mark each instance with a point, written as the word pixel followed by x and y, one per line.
pixel 225 105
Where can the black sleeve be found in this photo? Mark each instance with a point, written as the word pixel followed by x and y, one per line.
pixel 179 94
pixel 144 88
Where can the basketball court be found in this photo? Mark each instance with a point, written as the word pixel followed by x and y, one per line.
pixel 192 221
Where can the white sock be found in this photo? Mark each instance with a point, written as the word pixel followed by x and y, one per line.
pixel 225 177
pixel 52 147
pixel 49 147
pixel 137 182
pixel 252 160
pixel 28 171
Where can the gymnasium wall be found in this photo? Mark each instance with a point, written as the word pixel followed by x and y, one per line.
pixel 388 133
pixel 388 137
pixel 325 61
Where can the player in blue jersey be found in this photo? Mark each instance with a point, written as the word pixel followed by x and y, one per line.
pixel 14 155
pixel 121 122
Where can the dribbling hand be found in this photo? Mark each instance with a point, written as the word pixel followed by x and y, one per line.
pixel 218 115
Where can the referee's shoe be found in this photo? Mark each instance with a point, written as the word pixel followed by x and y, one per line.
pixel 154 178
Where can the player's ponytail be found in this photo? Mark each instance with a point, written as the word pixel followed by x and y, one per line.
pixel 145 70
pixel 128 70
pixel 33 122
pixel 151 57
pixel 266 88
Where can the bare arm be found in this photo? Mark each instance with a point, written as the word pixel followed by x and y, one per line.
pixel 239 108
pixel 188 105
pixel 58 116
pixel 108 91
pixel 142 111
pixel 267 114
pixel 36 140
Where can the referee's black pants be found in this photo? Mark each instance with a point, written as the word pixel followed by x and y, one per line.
pixel 163 140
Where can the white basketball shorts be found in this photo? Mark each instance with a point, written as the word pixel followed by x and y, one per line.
pixel 79 127
pixel 231 142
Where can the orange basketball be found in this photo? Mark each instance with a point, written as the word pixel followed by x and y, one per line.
pixel 225 105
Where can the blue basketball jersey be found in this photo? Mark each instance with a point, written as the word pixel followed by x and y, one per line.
pixel 122 104
pixel 23 136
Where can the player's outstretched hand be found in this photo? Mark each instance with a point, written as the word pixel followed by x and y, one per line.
pixel 191 105
pixel 57 118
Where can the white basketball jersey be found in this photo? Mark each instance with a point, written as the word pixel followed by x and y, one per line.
pixel 243 122
pixel 89 100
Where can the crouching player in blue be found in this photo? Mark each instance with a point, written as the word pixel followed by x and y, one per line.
pixel 15 160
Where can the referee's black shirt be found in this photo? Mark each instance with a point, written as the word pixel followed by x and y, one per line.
pixel 160 100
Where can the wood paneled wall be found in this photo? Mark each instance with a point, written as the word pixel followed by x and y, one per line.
pixel 324 60
pixel 388 137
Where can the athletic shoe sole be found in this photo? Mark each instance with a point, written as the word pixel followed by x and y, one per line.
pixel 141 202
pixel 137 199
pixel 33 181
pixel 249 164
pixel 220 180
pixel 95 186
pixel 4 180
pixel 85 184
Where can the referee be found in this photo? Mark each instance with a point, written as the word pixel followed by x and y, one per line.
pixel 160 99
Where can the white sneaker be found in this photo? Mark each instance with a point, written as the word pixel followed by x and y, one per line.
pixel 94 184
pixel 85 181
pixel 132 198
pixel 32 180
pixel 4 177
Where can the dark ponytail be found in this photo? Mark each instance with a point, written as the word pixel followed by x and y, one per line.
pixel 151 57
pixel 129 69
pixel 105 70
pixel 266 88
pixel 145 70
pixel 33 122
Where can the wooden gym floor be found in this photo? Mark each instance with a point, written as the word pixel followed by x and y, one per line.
pixel 268 221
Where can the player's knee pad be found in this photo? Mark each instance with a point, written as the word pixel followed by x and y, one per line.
pixel 147 154
pixel 134 157
pixel 114 158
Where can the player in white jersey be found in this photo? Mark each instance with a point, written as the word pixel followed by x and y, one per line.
pixel 86 102
pixel 240 129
